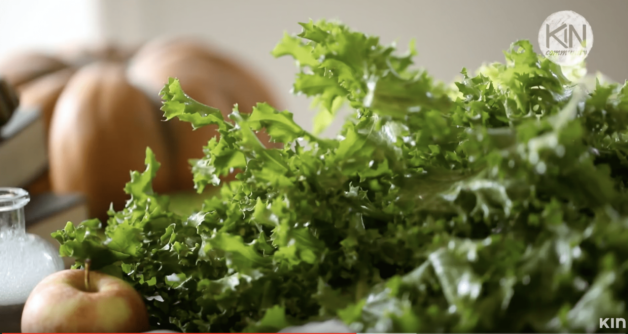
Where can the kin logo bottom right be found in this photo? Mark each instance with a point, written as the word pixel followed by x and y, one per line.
pixel 612 323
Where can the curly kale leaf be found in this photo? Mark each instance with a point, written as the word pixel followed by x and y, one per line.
pixel 498 204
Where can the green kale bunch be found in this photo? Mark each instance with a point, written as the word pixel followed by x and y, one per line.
pixel 495 205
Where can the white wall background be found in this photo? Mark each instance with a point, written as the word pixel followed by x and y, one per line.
pixel 45 24
pixel 450 34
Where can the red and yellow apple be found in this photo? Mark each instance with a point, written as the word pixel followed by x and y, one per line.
pixel 81 301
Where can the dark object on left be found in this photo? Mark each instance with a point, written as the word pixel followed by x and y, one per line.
pixel 8 101
pixel 10 316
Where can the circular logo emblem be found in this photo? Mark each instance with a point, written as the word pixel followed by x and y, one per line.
pixel 566 38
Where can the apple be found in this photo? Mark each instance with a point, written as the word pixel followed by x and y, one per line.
pixel 71 301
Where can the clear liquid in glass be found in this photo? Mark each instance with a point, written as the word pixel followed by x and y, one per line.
pixel 25 259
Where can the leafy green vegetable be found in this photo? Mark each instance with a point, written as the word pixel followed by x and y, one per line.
pixel 495 205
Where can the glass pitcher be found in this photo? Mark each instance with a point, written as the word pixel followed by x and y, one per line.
pixel 25 259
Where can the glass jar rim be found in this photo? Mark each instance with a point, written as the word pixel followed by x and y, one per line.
pixel 13 198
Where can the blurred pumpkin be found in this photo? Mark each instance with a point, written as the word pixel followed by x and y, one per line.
pixel 101 110
pixel 204 76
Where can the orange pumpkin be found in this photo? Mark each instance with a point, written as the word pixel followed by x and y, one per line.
pixel 206 77
pixel 101 109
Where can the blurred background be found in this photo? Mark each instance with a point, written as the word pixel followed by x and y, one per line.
pixel 449 34
pixel 89 142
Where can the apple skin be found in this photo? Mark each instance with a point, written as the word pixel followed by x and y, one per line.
pixel 60 304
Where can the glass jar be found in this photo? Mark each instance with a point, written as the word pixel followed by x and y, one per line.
pixel 25 259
